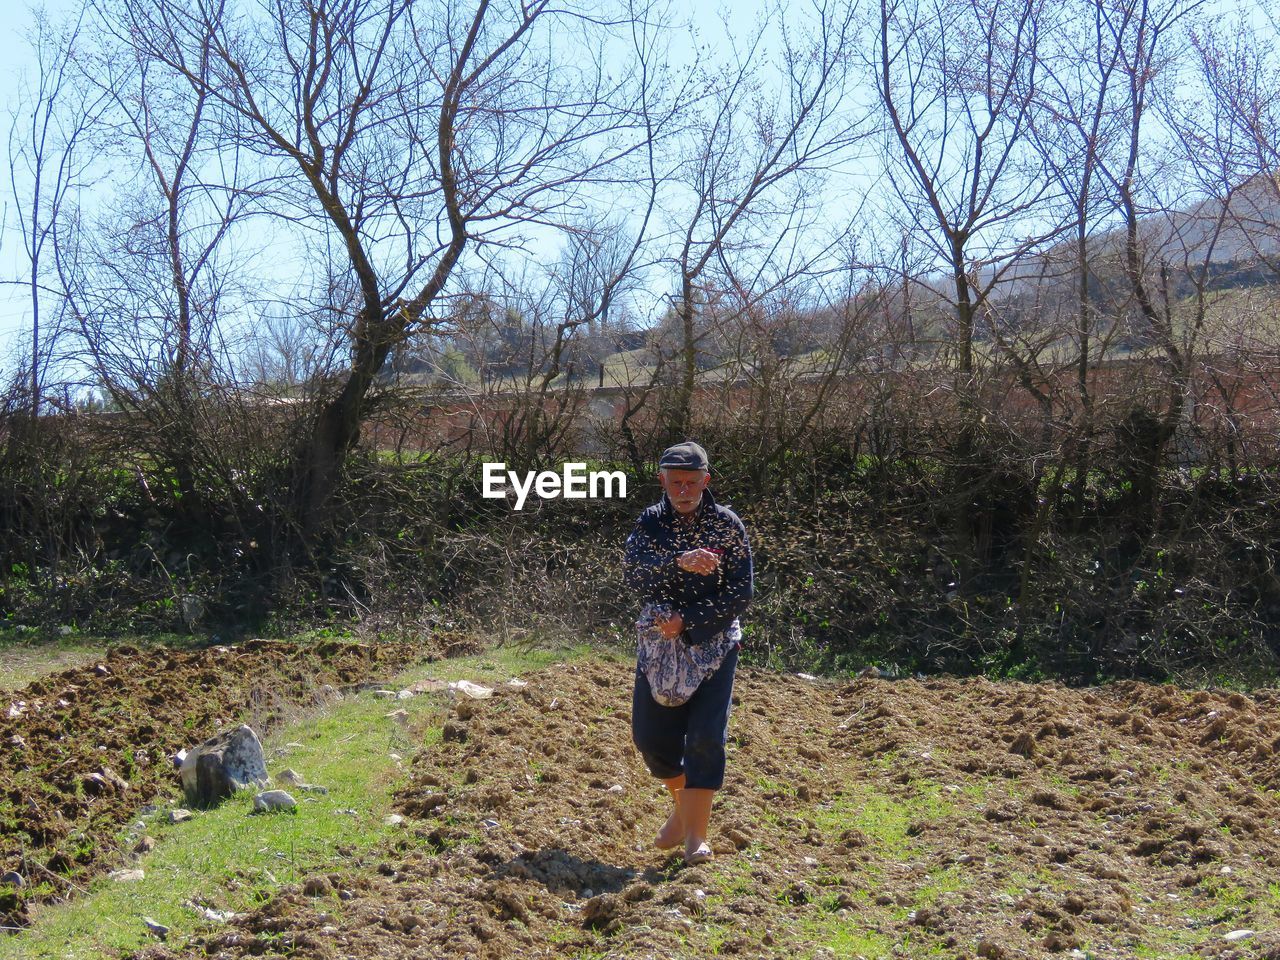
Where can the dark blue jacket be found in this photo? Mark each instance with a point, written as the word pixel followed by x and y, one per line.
pixel 710 603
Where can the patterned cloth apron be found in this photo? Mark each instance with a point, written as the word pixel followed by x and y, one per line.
pixel 676 669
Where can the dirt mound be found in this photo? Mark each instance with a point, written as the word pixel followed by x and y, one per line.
pixel 82 750
pixel 943 817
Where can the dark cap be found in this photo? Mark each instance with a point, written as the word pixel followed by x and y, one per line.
pixel 684 456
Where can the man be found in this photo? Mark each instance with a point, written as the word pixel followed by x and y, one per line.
pixel 689 561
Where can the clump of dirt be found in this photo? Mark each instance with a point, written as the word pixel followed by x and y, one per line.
pixel 82 750
pixel 941 817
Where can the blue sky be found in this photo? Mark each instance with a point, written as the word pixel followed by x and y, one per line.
pixel 16 63
pixel 15 57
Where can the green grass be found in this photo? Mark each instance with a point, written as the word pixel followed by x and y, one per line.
pixel 1229 905
pixel 885 819
pixel 843 938
pixel 231 860
pixel 942 880
pixel 819 927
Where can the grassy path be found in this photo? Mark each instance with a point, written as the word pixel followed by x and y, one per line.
pixel 227 860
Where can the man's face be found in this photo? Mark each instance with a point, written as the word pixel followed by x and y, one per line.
pixel 684 487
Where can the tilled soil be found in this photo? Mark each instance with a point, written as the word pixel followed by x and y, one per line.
pixel 82 750
pixel 874 817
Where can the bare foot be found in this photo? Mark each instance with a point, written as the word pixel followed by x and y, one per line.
pixel 671 834
pixel 696 853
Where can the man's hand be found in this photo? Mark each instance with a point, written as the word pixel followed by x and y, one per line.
pixel 672 627
pixel 699 561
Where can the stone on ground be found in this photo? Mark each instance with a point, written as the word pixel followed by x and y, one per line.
pixel 473 690
pixel 291 778
pixel 227 762
pixel 159 929
pixel 270 800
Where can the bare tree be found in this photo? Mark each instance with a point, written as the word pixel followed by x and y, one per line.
pixel 410 133
pixel 49 161
pixel 1144 32
pixel 285 351
pixel 1077 123
pixel 1232 130
pixel 794 355
pixel 956 83
pixel 757 158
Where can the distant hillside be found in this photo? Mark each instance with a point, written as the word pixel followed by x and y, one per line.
pixel 1239 239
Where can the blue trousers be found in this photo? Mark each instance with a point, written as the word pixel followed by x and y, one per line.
pixel 690 738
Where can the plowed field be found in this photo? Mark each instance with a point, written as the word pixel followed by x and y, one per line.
pixel 874 818
pixel 81 751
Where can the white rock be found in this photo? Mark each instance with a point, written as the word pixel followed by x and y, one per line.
pixel 806 676
pixel 292 778
pixel 395 757
pixel 218 767
pixel 429 685
pixel 404 695
pixel 385 694
pixel 179 815
pixel 273 800
pixel 473 690
pixel 208 913
pixel 126 876
pixel 517 683
pixel 617 788
pixel 393 820
pixel 1225 871
pixel 1237 935
pixel 159 929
